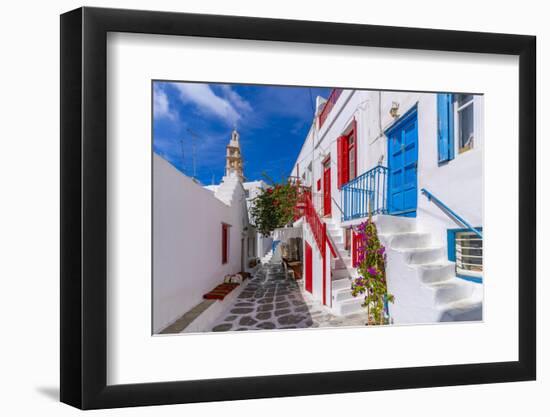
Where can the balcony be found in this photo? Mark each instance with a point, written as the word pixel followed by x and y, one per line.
pixel 331 101
pixel 367 192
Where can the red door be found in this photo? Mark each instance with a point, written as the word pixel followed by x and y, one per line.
pixel 309 268
pixel 327 206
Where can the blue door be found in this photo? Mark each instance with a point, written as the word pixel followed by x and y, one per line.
pixel 403 165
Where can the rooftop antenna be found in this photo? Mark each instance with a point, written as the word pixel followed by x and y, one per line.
pixel 195 137
pixel 182 155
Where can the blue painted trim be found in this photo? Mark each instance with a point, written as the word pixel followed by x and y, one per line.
pixel 451 241
pixel 445 128
pixel 451 244
pixel 356 194
pixel 451 127
pixel 442 205
pixel 409 115
pixel 451 254
pixel 402 120
pixel 477 280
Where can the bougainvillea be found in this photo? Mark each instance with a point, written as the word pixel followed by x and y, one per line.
pixel 371 282
pixel 274 207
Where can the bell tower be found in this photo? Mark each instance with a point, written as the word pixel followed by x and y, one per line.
pixel 233 158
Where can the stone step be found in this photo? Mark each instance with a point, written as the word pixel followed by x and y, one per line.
pixel 386 224
pixel 463 310
pixel 343 263
pixel 337 239
pixel 343 295
pixel 409 240
pixel 339 284
pixel 340 273
pixel 350 307
pixel 340 248
pixel 423 255
pixel 452 291
pixel 436 272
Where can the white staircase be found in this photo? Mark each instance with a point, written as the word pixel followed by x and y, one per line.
pixel 419 275
pixel 267 257
pixel 343 302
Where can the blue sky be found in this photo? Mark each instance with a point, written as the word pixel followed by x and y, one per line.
pixel 272 121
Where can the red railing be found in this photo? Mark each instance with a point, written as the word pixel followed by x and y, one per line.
pixel 334 94
pixel 317 226
pixel 319 231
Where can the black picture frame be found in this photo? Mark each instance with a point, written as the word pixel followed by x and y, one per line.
pixel 84 207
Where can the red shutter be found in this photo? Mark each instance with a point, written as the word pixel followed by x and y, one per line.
pixel 319 184
pixel 339 155
pixel 345 160
pixel 224 243
pixel 343 168
pixel 356 143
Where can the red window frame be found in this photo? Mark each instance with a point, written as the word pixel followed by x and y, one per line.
pixel 225 243
pixel 344 149
pixel 352 147
pixel 327 193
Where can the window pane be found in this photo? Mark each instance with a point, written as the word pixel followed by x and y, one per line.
pixel 466 127
pixel 352 163
pixel 469 252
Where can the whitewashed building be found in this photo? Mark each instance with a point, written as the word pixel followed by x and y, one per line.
pixel 415 160
pixel 200 234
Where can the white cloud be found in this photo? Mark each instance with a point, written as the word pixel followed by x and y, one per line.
pixel 161 105
pixel 239 102
pixel 207 101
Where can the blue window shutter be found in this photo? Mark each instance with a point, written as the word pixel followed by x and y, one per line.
pixel 445 127
pixel 451 245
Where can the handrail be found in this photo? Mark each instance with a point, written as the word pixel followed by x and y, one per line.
pixel 365 193
pixel 337 205
pixel 331 245
pixel 318 226
pixel 443 206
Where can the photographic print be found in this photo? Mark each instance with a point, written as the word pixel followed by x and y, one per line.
pixel 286 207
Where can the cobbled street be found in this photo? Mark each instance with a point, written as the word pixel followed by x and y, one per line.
pixel 273 301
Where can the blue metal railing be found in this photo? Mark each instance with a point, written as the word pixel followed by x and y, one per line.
pixel 446 208
pixel 367 191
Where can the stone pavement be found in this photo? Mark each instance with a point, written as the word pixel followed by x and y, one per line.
pixel 273 301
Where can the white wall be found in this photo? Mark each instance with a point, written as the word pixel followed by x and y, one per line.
pixel 187 223
pixel 317 278
pixel 457 183
pixel 33 388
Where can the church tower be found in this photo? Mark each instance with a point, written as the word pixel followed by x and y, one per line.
pixel 233 158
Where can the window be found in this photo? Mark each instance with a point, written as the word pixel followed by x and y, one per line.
pixel 445 128
pixel 465 248
pixel 225 243
pixel 351 157
pixel 455 118
pixel 347 156
pixel 465 120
